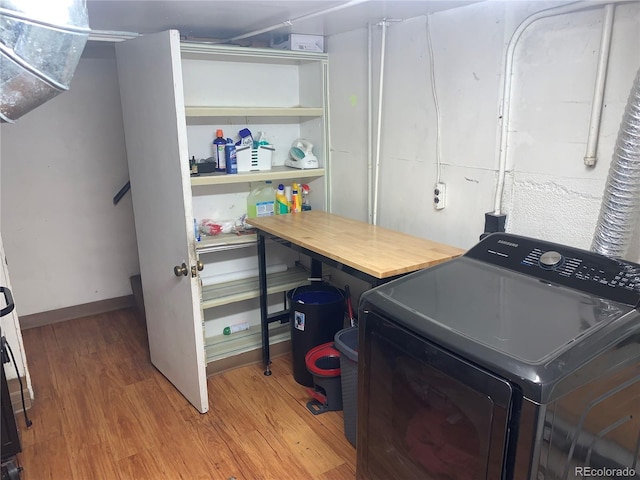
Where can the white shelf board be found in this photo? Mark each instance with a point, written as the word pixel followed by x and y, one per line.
pixel 225 241
pixel 239 290
pixel 206 51
pixel 194 111
pixel 276 173
pixel 223 346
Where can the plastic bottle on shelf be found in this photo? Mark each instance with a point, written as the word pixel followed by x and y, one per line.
pixel 235 328
pixel 282 204
pixel 196 230
pixel 289 195
pixel 306 205
pixel 261 201
pixel 296 199
pixel 260 140
pixel 231 162
pixel 218 146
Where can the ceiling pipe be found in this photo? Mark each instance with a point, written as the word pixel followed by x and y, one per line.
pixel 111 36
pixel 288 23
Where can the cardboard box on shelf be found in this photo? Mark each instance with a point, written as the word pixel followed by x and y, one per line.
pixel 298 41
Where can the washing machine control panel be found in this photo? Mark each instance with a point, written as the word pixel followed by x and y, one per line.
pixel 575 268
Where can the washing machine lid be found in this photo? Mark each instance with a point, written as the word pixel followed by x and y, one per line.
pixel 512 316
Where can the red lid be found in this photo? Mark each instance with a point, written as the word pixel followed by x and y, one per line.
pixel 313 355
pixel 219 133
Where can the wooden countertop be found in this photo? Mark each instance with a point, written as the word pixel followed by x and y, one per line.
pixel 375 250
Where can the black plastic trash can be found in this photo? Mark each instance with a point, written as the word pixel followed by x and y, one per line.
pixel 346 342
pixel 317 314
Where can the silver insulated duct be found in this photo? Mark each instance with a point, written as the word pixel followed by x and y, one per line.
pixel 621 202
pixel 40 46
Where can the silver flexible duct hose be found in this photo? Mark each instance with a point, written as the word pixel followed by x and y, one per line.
pixel 40 47
pixel 621 202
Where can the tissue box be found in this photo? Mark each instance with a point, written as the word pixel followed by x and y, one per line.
pixel 298 41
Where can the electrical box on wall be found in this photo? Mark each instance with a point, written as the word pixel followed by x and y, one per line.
pixel 439 190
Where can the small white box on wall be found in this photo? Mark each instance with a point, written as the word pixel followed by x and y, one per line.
pixel 298 41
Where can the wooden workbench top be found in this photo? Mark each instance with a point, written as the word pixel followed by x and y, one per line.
pixel 375 250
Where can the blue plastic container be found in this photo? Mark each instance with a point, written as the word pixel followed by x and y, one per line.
pixel 231 162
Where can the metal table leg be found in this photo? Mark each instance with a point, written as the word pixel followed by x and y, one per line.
pixel 264 316
pixel 316 270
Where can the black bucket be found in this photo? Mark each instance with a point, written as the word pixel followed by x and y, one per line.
pixel 317 314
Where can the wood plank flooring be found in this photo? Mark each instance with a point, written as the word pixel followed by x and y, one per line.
pixel 102 411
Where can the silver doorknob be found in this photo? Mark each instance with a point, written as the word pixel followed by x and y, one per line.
pixel 181 270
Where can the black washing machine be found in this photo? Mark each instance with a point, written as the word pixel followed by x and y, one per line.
pixel 519 360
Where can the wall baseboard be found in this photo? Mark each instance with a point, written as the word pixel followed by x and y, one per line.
pixel 76 311
pixel 136 288
pixel 14 392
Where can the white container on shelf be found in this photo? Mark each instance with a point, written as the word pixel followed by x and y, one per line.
pixel 298 41
pixel 254 159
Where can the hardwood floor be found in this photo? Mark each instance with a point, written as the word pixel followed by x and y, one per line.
pixel 102 411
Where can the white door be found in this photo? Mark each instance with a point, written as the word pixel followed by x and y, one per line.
pixel 151 92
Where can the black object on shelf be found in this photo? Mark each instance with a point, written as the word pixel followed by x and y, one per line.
pixel 206 167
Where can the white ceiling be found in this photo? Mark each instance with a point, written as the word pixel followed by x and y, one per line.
pixel 224 19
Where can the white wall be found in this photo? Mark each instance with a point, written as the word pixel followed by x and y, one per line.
pixel 67 244
pixel 62 163
pixel 550 194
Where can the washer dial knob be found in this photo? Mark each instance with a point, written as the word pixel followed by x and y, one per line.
pixel 550 259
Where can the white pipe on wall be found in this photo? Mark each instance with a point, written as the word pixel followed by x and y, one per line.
pixel 591 156
pixel 436 106
pixel 505 108
pixel 369 124
pixel 384 26
pixel 328 184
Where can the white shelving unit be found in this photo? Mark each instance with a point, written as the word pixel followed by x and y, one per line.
pixel 278 92
pixel 175 96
